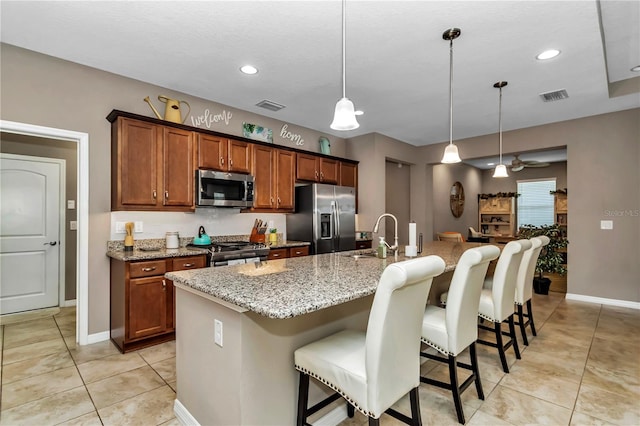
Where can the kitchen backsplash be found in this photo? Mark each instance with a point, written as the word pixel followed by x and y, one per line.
pixel 216 222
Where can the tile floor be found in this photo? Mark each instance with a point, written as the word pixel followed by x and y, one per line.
pixel 583 368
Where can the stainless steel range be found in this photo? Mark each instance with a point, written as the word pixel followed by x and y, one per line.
pixel 232 253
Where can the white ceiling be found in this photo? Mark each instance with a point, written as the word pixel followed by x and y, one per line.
pixel 397 61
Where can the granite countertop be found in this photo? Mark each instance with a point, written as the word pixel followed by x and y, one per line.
pixel 287 288
pixel 289 243
pixel 153 253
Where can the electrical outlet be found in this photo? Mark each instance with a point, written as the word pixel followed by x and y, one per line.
pixel 606 224
pixel 218 332
pixel 138 227
pixel 120 228
pixel 71 204
pixel 73 225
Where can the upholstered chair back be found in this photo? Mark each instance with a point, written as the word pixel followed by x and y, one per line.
pixel 394 329
pixel 464 296
pixel 505 278
pixel 524 283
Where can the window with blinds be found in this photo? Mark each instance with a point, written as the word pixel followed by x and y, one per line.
pixel 535 202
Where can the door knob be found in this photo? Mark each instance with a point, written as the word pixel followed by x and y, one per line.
pixel 53 243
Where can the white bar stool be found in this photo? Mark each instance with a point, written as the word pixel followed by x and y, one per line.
pixel 373 370
pixel 450 331
pixel 496 299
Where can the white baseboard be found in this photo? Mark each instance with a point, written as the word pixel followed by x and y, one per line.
pixel 98 337
pixel 332 418
pixel 603 301
pixel 68 303
pixel 183 415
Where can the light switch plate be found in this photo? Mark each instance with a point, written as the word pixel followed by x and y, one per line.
pixel 73 225
pixel 606 224
pixel 71 204
pixel 120 228
pixel 138 227
pixel 218 332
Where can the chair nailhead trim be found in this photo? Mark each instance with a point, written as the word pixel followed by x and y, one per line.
pixel 436 347
pixel 335 388
pixel 487 318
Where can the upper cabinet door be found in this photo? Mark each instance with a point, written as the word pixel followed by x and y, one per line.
pixel 212 152
pixel 135 164
pixel 178 172
pixel 307 168
pixel 285 175
pixel 264 173
pixel 348 174
pixel 239 156
pixel 328 170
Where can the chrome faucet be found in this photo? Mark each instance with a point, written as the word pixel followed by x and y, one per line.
pixel 394 247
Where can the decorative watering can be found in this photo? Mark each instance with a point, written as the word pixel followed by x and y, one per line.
pixel 172 109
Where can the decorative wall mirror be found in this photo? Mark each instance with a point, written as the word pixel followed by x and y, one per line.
pixel 456 199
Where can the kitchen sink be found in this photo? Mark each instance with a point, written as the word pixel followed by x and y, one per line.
pixel 361 254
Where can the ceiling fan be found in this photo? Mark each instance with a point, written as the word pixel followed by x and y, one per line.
pixel 517 164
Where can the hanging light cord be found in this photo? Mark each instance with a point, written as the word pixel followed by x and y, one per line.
pixel 500 123
pixel 451 92
pixel 344 48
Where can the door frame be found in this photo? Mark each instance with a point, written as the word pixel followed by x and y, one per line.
pixel 61 214
pixel 82 263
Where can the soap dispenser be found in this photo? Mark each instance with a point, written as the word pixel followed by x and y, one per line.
pixel 382 249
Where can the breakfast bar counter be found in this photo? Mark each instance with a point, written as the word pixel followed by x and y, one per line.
pixel 238 326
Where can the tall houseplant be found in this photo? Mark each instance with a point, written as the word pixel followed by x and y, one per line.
pixel 551 259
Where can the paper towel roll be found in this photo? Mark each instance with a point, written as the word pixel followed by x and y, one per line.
pixel 411 251
pixel 412 234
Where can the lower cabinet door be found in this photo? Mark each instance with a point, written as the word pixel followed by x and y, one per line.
pixel 147 306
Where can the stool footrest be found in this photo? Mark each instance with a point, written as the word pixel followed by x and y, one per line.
pixel 320 405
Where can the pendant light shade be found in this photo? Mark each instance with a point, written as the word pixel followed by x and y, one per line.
pixel 501 169
pixel 451 151
pixel 344 117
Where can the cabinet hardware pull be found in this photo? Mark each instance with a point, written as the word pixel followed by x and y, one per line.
pixel 164 285
pixel 166 195
pixel 276 255
pixel 221 161
pixel 316 174
pixel 298 252
pixel 155 195
pixel 189 265
pixel 279 200
pixel 230 162
pixel 321 176
pixel 270 200
pixel 153 268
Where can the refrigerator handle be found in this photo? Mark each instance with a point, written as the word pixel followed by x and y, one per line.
pixel 337 213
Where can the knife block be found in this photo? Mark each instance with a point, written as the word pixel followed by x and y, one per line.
pixel 255 237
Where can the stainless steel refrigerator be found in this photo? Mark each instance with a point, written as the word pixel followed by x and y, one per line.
pixel 325 216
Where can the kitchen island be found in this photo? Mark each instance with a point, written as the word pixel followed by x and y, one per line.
pixel 264 312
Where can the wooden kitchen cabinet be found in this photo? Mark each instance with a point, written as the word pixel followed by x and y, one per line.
pixel 317 169
pixel 143 301
pixel 273 170
pixel 348 174
pixel 223 154
pixel 286 252
pixel 152 167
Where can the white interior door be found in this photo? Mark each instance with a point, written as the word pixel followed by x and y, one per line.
pixel 29 233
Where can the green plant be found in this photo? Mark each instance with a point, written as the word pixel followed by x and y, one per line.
pixel 551 259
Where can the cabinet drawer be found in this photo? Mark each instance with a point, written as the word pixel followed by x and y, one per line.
pixel 278 253
pixel 363 244
pixel 191 262
pixel 147 269
pixel 299 251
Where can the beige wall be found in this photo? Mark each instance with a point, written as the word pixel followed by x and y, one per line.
pixel 398 200
pixel 444 176
pixel 46 91
pixel 40 147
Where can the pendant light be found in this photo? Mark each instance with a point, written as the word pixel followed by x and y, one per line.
pixel 501 169
pixel 451 151
pixel 344 117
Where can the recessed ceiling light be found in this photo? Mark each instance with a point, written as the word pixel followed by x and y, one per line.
pixel 491 164
pixel 548 54
pixel 358 112
pixel 249 69
pixel 636 68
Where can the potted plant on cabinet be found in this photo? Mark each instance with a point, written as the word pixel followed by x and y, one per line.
pixel 551 259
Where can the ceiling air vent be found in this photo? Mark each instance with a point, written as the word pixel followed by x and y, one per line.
pixel 555 95
pixel 270 105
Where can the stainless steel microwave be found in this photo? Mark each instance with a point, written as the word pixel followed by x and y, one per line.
pixel 222 189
